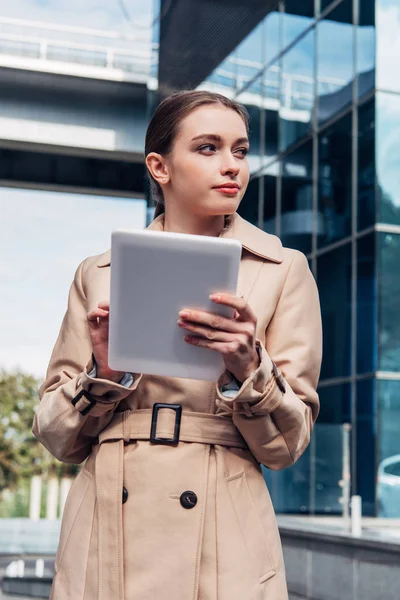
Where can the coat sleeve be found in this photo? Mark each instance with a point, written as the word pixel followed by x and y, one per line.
pixel 69 429
pixel 276 407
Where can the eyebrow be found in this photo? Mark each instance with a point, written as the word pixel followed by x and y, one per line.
pixel 218 138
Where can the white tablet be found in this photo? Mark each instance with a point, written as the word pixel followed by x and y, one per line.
pixel 153 276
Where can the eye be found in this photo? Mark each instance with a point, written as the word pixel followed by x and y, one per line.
pixel 207 148
pixel 243 151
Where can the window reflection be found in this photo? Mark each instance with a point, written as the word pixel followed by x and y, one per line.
pixel 388 476
pixel 290 489
pixel 335 401
pixel 248 208
pixel 251 98
pixel 387 45
pixel 273 38
pixel 271 103
pixel 366 47
pixel 334 185
pixel 387 149
pixel 250 56
pixel 297 190
pixel 334 284
pixel 223 78
pixel 366 305
pixel 389 294
pixel 335 61
pixel 324 4
pixel 296 18
pixel 297 91
pixel 366 442
pixel 269 201
pixel 366 165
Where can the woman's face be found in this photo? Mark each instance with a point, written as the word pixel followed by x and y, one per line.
pixel 209 152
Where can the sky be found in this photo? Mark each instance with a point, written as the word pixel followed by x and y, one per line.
pixel 43 238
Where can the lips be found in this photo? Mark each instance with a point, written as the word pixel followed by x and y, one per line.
pixel 232 186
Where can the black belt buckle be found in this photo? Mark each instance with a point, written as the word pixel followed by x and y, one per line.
pixel 178 414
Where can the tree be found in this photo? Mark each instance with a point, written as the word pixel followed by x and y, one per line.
pixel 21 454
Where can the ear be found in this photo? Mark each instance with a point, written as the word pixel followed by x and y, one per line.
pixel 157 166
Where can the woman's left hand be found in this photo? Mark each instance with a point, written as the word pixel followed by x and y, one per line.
pixel 234 338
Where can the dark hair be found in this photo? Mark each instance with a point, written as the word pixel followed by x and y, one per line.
pixel 164 125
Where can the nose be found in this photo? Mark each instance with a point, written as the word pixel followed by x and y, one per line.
pixel 229 166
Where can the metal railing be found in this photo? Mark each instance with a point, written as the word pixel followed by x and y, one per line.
pixel 48 42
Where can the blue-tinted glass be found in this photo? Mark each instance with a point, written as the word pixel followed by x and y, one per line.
pixel 290 488
pixel 389 302
pixel 335 50
pixel 270 106
pixel 296 18
pixel 270 175
pixel 365 436
pixel 250 56
pixel 367 347
pixel 223 78
pixel 296 218
pixel 251 98
pixel 388 477
pixel 366 47
pixel 334 284
pixel 297 91
pixel 387 156
pixel 335 401
pixel 387 45
pixel 366 165
pixel 324 4
pixel 273 35
pixel 248 207
pixel 334 182
pixel 327 444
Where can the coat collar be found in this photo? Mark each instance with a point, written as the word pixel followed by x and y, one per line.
pixel 252 238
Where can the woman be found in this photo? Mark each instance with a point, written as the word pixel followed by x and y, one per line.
pixel 194 520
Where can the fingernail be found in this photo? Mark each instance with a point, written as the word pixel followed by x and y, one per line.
pixel 184 313
pixel 215 297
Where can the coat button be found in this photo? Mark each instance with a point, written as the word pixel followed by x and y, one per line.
pixel 124 495
pixel 188 499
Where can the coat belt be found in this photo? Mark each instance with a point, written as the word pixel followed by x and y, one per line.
pixel 130 425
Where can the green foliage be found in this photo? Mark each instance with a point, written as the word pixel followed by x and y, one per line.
pixel 21 454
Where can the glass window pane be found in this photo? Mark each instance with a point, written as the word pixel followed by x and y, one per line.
pixel 273 37
pixel 387 45
pixel 270 175
pixel 223 78
pixel 366 423
pixel 387 156
pixel 389 298
pixel 366 305
pixel 335 401
pixel 297 192
pixel 366 165
pixel 334 284
pixel 250 55
pixel 296 18
pixel 324 4
pixel 271 103
pixel 366 47
pixel 388 482
pixel 290 488
pixel 248 208
pixel 334 182
pixel 335 50
pixel 297 91
pixel 251 98
pixel 327 443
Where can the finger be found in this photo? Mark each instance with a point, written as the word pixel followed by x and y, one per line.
pixel 224 348
pixel 245 311
pixel 104 304
pixel 211 320
pixel 98 312
pixel 208 333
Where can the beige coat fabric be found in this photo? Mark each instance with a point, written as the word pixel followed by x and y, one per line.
pixel 226 546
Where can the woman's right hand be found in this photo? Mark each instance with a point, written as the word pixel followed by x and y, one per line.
pixel 98 320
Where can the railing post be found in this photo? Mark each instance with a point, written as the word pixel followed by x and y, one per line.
pixel 43 49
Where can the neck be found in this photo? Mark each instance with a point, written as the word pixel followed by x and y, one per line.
pixel 181 222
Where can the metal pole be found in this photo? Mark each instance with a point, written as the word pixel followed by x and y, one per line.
pixel 345 482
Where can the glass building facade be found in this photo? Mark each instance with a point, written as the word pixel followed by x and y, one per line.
pixel 322 85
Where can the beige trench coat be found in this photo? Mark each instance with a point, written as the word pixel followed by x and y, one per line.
pixel 150 546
